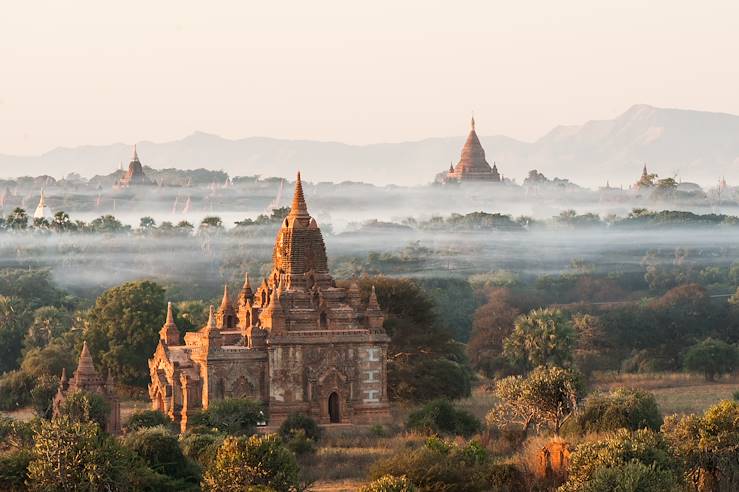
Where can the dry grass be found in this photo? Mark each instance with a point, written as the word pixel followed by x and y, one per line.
pixel 21 414
pixel 338 486
pixel 348 457
pixel 675 392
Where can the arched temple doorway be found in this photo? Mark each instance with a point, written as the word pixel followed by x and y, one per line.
pixel 334 410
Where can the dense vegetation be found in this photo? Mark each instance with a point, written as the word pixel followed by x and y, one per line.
pixel 534 338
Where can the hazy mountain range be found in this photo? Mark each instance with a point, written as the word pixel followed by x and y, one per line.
pixel 691 145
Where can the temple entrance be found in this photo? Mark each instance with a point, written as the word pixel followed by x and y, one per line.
pixel 334 413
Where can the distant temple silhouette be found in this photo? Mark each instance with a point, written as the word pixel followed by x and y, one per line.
pixel 87 379
pixel 135 175
pixel 472 165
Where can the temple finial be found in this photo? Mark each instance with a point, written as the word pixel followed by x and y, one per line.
pixel 247 285
pixel 211 318
pixel 472 122
pixel 135 154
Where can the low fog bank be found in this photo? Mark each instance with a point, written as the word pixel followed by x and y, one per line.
pixel 89 263
pixel 343 205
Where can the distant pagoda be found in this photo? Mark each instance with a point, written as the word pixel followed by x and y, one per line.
pixel 42 210
pixel 86 378
pixel 472 165
pixel 135 175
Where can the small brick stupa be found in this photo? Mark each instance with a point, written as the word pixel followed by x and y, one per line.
pixel 472 165
pixel 86 378
pixel 135 175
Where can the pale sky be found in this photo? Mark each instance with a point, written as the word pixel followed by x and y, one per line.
pixel 97 72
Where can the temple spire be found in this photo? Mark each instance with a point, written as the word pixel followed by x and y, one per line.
pixel 373 304
pixel 135 154
pixel 169 334
pixel 226 301
pixel 247 285
pixel 299 207
pixel 472 123
pixel 170 317
pixel 211 318
pixel 85 366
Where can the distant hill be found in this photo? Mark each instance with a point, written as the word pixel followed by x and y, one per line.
pixel 694 145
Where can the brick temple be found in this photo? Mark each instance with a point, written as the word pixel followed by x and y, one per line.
pixel 135 175
pixel 87 379
pixel 472 165
pixel 298 343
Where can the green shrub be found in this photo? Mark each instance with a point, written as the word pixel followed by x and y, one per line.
pixel 83 406
pixel 160 449
pixel 625 408
pixel 617 449
pixel 706 445
pixel 378 430
pixel 426 379
pixel 147 418
pixel 439 465
pixel 232 416
pixel 299 421
pixel 441 417
pixel 507 477
pixel 201 447
pixel 633 476
pixel 42 396
pixel 389 483
pixel 16 434
pixel 14 470
pixel 711 358
pixel 645 361
pixel 736 395
pixel 243 462
pixel 76 456
pixel 299 443
pixel 15 390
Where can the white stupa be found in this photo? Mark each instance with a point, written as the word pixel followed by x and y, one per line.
pixel 42 211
